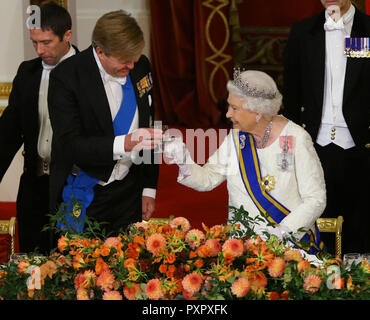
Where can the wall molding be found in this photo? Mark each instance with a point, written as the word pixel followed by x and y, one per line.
pixel 5 89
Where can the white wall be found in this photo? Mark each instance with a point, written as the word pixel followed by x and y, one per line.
pixel 16 47
pixel 89 11
pixel 11 54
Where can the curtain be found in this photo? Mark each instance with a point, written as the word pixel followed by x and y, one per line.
pixel 190 87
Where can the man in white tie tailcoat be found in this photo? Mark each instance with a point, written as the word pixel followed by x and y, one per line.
pixel 328 93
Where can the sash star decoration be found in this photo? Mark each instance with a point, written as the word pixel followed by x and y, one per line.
pixel 268 183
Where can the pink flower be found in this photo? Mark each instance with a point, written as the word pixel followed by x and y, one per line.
pixel 251 243
pixel 240 287
pixel 112 295
pixel 83 294
pixel 181 222
pixel 233 248
pixel 106 280
pixel 156 243
pixel 312 283
pixel 154 290
pixel 276 267
pixel 192 282
pixel 113 242
pixel 130 292
pixel 195 238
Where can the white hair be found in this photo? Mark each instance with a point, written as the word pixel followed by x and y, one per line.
pixel 261 82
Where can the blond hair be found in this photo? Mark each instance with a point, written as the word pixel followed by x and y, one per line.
pixel 118 34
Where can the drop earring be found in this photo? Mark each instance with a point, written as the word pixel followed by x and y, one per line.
pixel 257 119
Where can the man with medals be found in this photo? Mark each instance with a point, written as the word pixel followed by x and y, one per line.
pixel 268 161
pixel 326 90
pixel 26 121
pixel 101 105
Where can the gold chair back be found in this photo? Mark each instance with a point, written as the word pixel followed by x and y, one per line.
pixel 333 225
pixel 8 227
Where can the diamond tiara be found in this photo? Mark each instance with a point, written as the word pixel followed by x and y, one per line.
pixel 249 90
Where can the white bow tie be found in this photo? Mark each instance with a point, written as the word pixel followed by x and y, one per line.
pixel 331 25
pixel 108 77
pixel 47 66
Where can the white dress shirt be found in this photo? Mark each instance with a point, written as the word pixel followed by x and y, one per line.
pixel 333 127
pixel 114 92
pixel 46 132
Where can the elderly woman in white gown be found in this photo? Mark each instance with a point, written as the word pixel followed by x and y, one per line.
pixel 268 161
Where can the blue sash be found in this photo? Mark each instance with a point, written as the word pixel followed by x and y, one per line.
pixel 249 167
pixel 79 191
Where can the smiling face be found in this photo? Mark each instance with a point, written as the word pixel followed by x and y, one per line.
pixel 343 5
pixel 48 46
pixel 114 66
pixel 242 119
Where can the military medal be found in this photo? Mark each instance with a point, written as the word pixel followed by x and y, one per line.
pixel 347 46
pixel 285 158
pixel 242 141
pixel 145 84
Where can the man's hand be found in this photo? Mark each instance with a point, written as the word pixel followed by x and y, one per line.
pixel 148 207
pixel 143 138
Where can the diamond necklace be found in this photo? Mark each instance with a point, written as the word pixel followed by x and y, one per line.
pixel 262 143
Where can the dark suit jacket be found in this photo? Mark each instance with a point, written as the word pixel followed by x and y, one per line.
pixel 20 121
pixel 82 124
pixel 304 73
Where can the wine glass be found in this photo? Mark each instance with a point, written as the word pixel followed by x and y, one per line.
pixel 366 256
pixel 351 258
pixel 16 257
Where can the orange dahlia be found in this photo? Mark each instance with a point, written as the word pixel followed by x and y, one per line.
pixel 112 295
pixel 114 242
pixel 131 291
pixel 240 287
pixel 85 279
pixel 258 281
pixel 303 265
pixel 293 255
pixel 192 282
pixel 154 290
pixel 156 243
pixel 276 267
pixel 312 283
pixel 233 247
pixel 188 295
pixel 214 247
pixel 130 264
pixel 195 238
pixel 181 222
pixel 106 280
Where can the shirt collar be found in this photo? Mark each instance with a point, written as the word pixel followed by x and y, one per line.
pixel 70 53
pixel 347 17
pixel 104 74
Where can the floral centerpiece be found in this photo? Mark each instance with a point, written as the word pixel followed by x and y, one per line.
pixel 175 261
